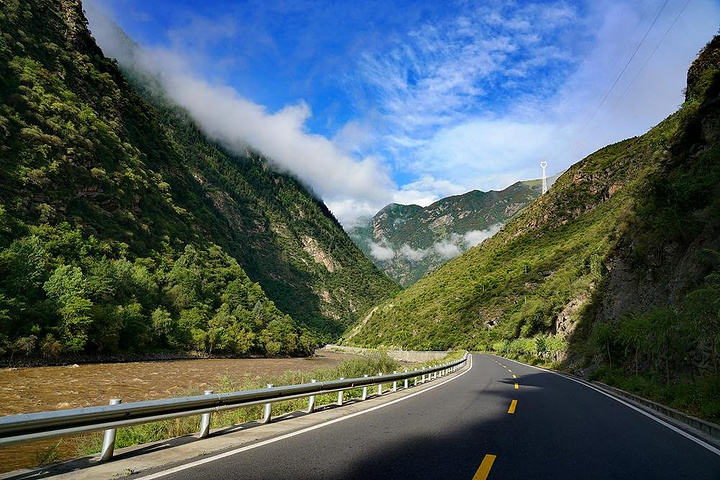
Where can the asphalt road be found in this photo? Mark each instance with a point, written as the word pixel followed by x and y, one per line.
pixel 479 425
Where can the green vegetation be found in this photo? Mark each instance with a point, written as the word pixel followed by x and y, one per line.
pixel 613 271
pixel 122 228
pixel 67 294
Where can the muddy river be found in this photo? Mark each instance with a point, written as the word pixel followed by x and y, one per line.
pixel 34 389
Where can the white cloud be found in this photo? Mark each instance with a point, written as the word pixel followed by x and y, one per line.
pixel 426 190
pixel 414 255
pixel 438 87
pixel 493 145
pixel 475 237
pixel 344 181
pixel 474 100
pixel 447 249
pixel 381 252
pixel 237 122
pixel 354 137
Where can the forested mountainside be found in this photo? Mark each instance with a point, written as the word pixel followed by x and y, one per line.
pixel 407 241
pixel 122 228
pixel 616 265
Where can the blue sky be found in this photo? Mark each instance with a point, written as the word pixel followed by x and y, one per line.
pixel 372 102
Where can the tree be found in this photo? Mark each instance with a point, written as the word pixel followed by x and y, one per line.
pixel 67 287
pixel 703 305
pixel 603 335
pixel 162 326
pixel 633 333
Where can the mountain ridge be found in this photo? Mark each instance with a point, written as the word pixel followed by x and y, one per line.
pixel 408 241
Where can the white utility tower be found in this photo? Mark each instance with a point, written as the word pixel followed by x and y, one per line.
pixel 543 165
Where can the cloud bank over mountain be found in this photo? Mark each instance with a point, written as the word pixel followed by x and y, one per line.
pixel 369 108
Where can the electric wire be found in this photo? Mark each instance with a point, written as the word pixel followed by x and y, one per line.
pixel 627 64
pixel 637 74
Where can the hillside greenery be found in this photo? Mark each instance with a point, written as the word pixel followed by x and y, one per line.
pixel 122 228
pixel 613 272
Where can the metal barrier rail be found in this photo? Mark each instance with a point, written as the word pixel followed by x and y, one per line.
pixel 35 426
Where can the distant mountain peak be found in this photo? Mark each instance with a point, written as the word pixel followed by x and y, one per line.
pixel 407 241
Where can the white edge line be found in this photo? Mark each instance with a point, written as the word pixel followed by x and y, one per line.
pixel 682 432
pixel 298 432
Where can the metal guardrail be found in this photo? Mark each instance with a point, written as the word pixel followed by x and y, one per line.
pixel 35 426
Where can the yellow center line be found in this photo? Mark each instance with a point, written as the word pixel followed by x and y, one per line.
pixel 513 404
pixel 509 370
pixel 514 376
pixel 516 386
pixel 484 470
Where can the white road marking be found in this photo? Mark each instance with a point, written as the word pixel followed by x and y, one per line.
pixel 637 409
pixel 299 432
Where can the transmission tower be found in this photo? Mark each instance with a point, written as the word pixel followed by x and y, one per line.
pixel 543 165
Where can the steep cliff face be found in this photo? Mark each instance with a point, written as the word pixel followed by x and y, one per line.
pixel 663 252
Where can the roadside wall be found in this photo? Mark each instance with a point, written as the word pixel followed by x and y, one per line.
pixel 399 355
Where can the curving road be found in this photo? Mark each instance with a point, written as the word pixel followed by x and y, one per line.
pixel 479 425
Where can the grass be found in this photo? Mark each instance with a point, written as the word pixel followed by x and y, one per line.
pixel 150 432
pixel 696 396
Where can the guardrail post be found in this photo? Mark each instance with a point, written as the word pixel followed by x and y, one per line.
pixel 340 394
pixel 108 446
pixel 415 370
pixel 380 384
pixel 406 380
pixel 267 411
pixel 364 394
pixel 423 378
pixel 205 420
pixel 311 402
pixel 394 383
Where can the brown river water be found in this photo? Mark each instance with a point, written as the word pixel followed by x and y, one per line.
pixel 35 389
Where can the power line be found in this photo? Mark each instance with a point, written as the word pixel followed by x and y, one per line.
pixel 602 102
pixel 646 9
pixel 677 17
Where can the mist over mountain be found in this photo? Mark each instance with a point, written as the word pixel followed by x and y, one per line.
pixel 408 241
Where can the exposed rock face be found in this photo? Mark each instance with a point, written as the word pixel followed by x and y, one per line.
pixel 312 247
pixel 567 320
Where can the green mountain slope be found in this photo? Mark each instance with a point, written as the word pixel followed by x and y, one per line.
pixel 123 228
pixel 621 234
pixel 407 241
pixel 280 233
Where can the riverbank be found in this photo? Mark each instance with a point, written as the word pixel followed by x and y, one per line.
pixel 35 362
pixel 46 388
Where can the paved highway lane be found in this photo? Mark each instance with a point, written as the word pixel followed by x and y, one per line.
pixel 480 425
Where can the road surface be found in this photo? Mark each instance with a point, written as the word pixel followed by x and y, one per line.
pixel 497 420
